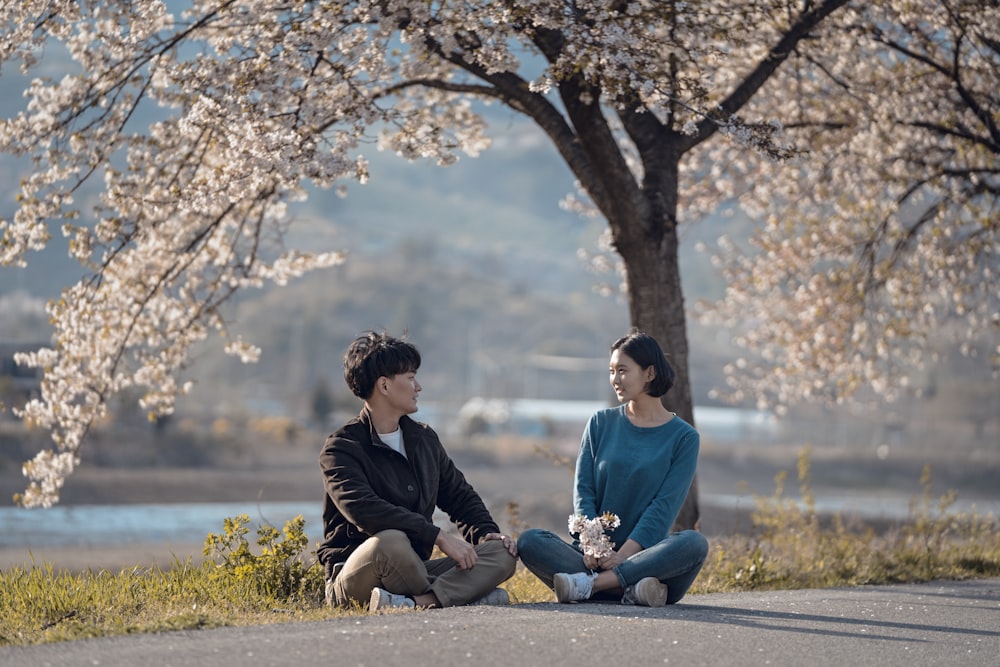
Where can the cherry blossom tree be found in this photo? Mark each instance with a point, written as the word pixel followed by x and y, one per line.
pixel 662 110
pixel 889 230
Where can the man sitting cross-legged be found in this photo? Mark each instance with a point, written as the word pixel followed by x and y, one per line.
pixel 385 474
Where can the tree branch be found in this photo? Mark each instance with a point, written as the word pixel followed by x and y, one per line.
pixel 754 81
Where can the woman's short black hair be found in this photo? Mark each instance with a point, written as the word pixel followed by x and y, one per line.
pixel 645 351
pixel 373 355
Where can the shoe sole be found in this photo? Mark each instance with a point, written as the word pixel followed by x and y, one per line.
pixel 563 588
pixel 497 598
pixel 502 598
pixel 651 593
pixel 375 603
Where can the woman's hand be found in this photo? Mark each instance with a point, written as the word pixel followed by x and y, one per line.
pixel 591 563
pixel 615 558
pixel 611 561
pixel 605 563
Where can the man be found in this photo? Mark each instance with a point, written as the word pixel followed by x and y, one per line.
pixel 384 475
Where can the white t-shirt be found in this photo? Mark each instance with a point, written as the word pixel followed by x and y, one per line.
pixel 394 440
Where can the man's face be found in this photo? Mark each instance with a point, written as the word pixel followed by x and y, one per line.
pixel 402 391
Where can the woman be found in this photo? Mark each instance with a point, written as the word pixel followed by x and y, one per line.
pixel 636 461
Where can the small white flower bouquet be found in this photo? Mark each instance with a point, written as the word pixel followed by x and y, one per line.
pixel 592 535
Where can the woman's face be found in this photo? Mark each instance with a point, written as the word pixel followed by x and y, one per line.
pixel 627 379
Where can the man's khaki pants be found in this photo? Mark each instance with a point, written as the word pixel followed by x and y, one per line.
pixel 387 560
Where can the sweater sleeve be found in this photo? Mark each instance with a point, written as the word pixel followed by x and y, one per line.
pixel 585 483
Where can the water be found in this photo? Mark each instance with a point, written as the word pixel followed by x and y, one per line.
pixel 866 506
pixel 97 525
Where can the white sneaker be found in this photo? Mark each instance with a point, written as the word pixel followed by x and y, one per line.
pixel 383 599
pixel 648 592
pixel 573 587
pixel 495 598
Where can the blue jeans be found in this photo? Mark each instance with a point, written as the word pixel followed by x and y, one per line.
pixel 676 561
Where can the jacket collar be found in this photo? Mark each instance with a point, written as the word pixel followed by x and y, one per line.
pixel 369 422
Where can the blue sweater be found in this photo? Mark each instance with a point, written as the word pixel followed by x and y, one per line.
pixel 640 474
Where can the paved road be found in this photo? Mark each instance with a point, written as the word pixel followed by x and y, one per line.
pixel 949 623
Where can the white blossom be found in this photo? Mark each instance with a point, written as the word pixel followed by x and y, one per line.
pixel 866 153
pixel 592 535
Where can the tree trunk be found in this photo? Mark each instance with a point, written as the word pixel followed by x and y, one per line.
pixel 656 307
pixel 642 217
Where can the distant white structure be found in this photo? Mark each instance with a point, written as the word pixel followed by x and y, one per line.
pixel 525 416
pixel 545 417
pixel 735 424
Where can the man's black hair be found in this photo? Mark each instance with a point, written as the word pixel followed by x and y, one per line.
pixel 373 355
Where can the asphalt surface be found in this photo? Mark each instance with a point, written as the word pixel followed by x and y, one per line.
pixel 945 623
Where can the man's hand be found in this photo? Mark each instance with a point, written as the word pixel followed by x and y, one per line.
pixel 457 549
pixel 507 542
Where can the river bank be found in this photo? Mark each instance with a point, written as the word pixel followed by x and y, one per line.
pixel 122 552
pixel 524 484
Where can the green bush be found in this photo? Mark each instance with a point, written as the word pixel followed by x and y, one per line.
pixel 277 573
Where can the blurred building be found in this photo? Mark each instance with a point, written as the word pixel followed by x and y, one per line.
pixel 534 417
pixel 18 384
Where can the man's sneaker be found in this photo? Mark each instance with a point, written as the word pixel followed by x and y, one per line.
pixel 383 599
pixel 573 587
pixel 648 592
pixel 496 598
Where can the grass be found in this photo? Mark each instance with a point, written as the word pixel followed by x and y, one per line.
pixel 789 546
